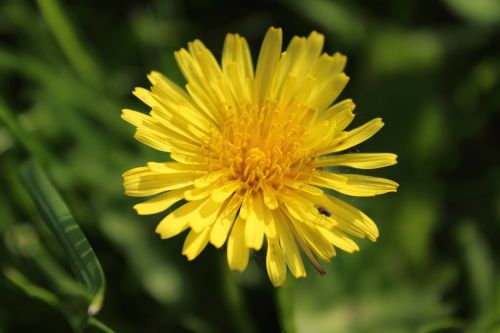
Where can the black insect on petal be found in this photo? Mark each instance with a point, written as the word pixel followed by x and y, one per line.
pixel 324 211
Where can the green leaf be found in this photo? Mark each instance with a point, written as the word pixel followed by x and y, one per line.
pixel 56 214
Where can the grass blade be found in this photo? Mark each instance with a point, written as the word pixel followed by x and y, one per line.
pixel 56 214
pixel 29 288
pixel 65 34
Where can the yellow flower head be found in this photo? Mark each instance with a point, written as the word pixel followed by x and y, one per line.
pixel 252 154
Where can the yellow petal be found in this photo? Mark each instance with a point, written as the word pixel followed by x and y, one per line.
pixel 319 134
pixel 355 185
pixel 223 192
pixel 208 65
pixel 239 53
pixel 302 208
pixel 169 87
pixel 178 221
pixel 301 186
pixel 181 126
pixel 211 178
pixel 290 71
pixel 346 217
pixel 245 206
pixel 314 46
pixel 305 90
pixel 340 240
pixel 284 83
pixel 182 156
pixel 190 68
pixel 275 263
pixel 269 222
pixel 159 133
pixel 237 65
pixel 254 227
pixel 197 193
pixel 269 194
pixel 237 82
pixel 340 113
pixel 206 214
pixel 295 207
pixel 327 179
pixel 183 121
pixel 224 222
pixel 310 255
pixel 142 182
pixel 153 140
pixel 356 136
pixel 325 67
pixel 204 102
pixel 172 106
pixel 193 65
pixel 160 202
pixel 358 160
pixel 174 167
pixel 323 98
pixel 149 131
pixel 289 245
pixel 146 96
pixel 195 243
pixel 294 79
pixel 266 64
pixel 204 74
pixel 135 118
pixel 237 251
pixel 299 57
pixel 313 238
pixel 352 219
pixel 172 96
pixel 365 186
pixel 336 64
pixel 136 172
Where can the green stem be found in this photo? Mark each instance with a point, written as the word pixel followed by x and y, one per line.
pixel 235 302
pixel 65 34
pixel 284 303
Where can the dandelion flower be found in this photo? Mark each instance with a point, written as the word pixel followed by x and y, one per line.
pixel 253 154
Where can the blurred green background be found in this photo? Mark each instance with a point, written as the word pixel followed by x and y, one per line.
pixel 430 69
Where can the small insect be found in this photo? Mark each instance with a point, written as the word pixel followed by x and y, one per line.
pixel 324 211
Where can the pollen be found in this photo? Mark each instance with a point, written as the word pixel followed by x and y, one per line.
pixel 260 147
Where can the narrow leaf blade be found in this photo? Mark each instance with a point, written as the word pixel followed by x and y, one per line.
pixel 57 216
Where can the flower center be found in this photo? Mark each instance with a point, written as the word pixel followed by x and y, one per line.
pixel 260 143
